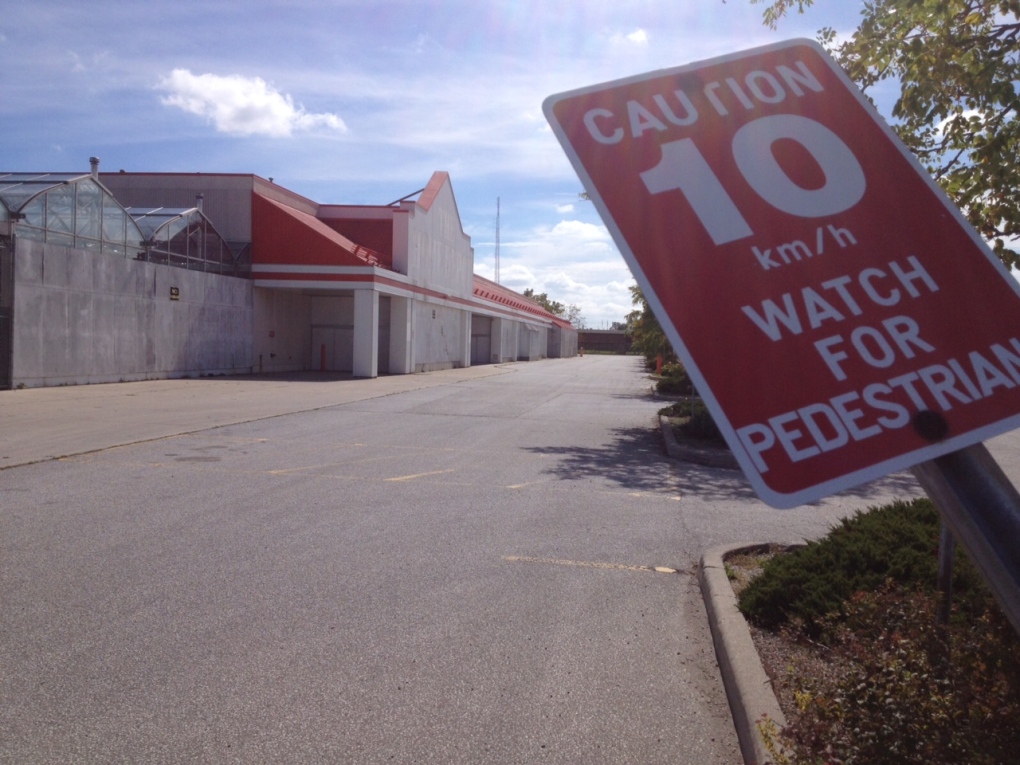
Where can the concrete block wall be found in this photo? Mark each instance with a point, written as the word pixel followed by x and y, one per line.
pixel 282 331
pixel 562 343
pixel 532 342
pixel 508 347
pixel 84 317
pixel 439 339
pixel 441 256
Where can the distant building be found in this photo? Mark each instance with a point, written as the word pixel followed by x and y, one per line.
pixel 130 276
pixel 604 340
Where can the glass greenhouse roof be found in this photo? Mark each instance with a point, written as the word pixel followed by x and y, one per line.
pixel 18 188
pixel 184 237
pixel 75 210
pixel 150 219
pixel 70 210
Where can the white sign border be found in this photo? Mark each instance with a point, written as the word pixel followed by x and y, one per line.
pixel 823 489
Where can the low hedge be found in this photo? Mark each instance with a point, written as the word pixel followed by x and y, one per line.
pixel 897 542
pixel 905 690
pixel 674 381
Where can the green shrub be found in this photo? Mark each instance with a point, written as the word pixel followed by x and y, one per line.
pixel 674 381
pixel 701 426
pixel 909 692
pixel 695 420
pixel 676 409
pixel 898 542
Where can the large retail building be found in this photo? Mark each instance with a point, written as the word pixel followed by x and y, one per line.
pixel 131 276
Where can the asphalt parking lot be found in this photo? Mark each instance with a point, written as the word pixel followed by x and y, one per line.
pixel 452 567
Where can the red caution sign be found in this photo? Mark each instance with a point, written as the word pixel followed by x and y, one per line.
pixel 838 315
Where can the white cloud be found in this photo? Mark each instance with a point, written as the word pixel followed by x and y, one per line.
pixel 965 115
pixel 579 233
pixel 574 262
pixel 637 38
pixel 89 62
pixel 242 105
pixel 564 209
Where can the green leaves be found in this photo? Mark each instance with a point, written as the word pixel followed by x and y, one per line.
pixel 543 300
pixel 645 332
pixel 897 688
pixel 908 691
pixel 957 63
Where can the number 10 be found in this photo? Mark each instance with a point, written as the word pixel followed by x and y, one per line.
pixel 684 168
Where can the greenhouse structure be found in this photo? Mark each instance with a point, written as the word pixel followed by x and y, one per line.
pixel 109 277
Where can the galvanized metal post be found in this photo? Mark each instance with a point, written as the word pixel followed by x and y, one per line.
pixel 982 508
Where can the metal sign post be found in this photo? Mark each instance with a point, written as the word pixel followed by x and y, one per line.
pixel 982 508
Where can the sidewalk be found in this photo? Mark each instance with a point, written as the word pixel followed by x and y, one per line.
pixel 45 423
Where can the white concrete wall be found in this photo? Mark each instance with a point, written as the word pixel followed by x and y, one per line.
pixel 400 333
pixel 332 310
pixel 440 255
pixel 508 340
pixel 439 341
pixel 385 320
pixel 366 333
pixel 282 331
pixel 532 342
pixel 562 343
pixel 481 339
pixel 332 325
pixel 83 317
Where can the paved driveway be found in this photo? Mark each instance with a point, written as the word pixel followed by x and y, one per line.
pixel 454 567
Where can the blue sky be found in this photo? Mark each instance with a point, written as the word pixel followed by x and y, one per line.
pixel 359 102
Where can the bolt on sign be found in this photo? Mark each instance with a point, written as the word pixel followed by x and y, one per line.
pixel 836 312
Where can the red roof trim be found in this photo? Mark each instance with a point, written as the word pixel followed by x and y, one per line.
pixel 428 196
pixel 288 276
pixel 277 227
pixel 490 290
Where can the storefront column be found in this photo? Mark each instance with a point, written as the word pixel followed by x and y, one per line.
pixel 400 336
pixel 465 338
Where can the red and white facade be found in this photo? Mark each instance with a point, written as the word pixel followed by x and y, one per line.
pixel 362 289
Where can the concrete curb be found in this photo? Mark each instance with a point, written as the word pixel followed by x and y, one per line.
pixel 707 456
pixel 748 688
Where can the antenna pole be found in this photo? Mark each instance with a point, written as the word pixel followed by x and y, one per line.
pixel 497 240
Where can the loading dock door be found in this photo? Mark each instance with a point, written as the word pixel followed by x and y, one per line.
pixel 385 309
pixel 481 340
pixel 333 348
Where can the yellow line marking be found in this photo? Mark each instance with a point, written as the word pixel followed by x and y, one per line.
pixel 639 494
pixel 588 564
pixel 379 458
pixel 285 471
pixel 420 475
pixel 526 483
